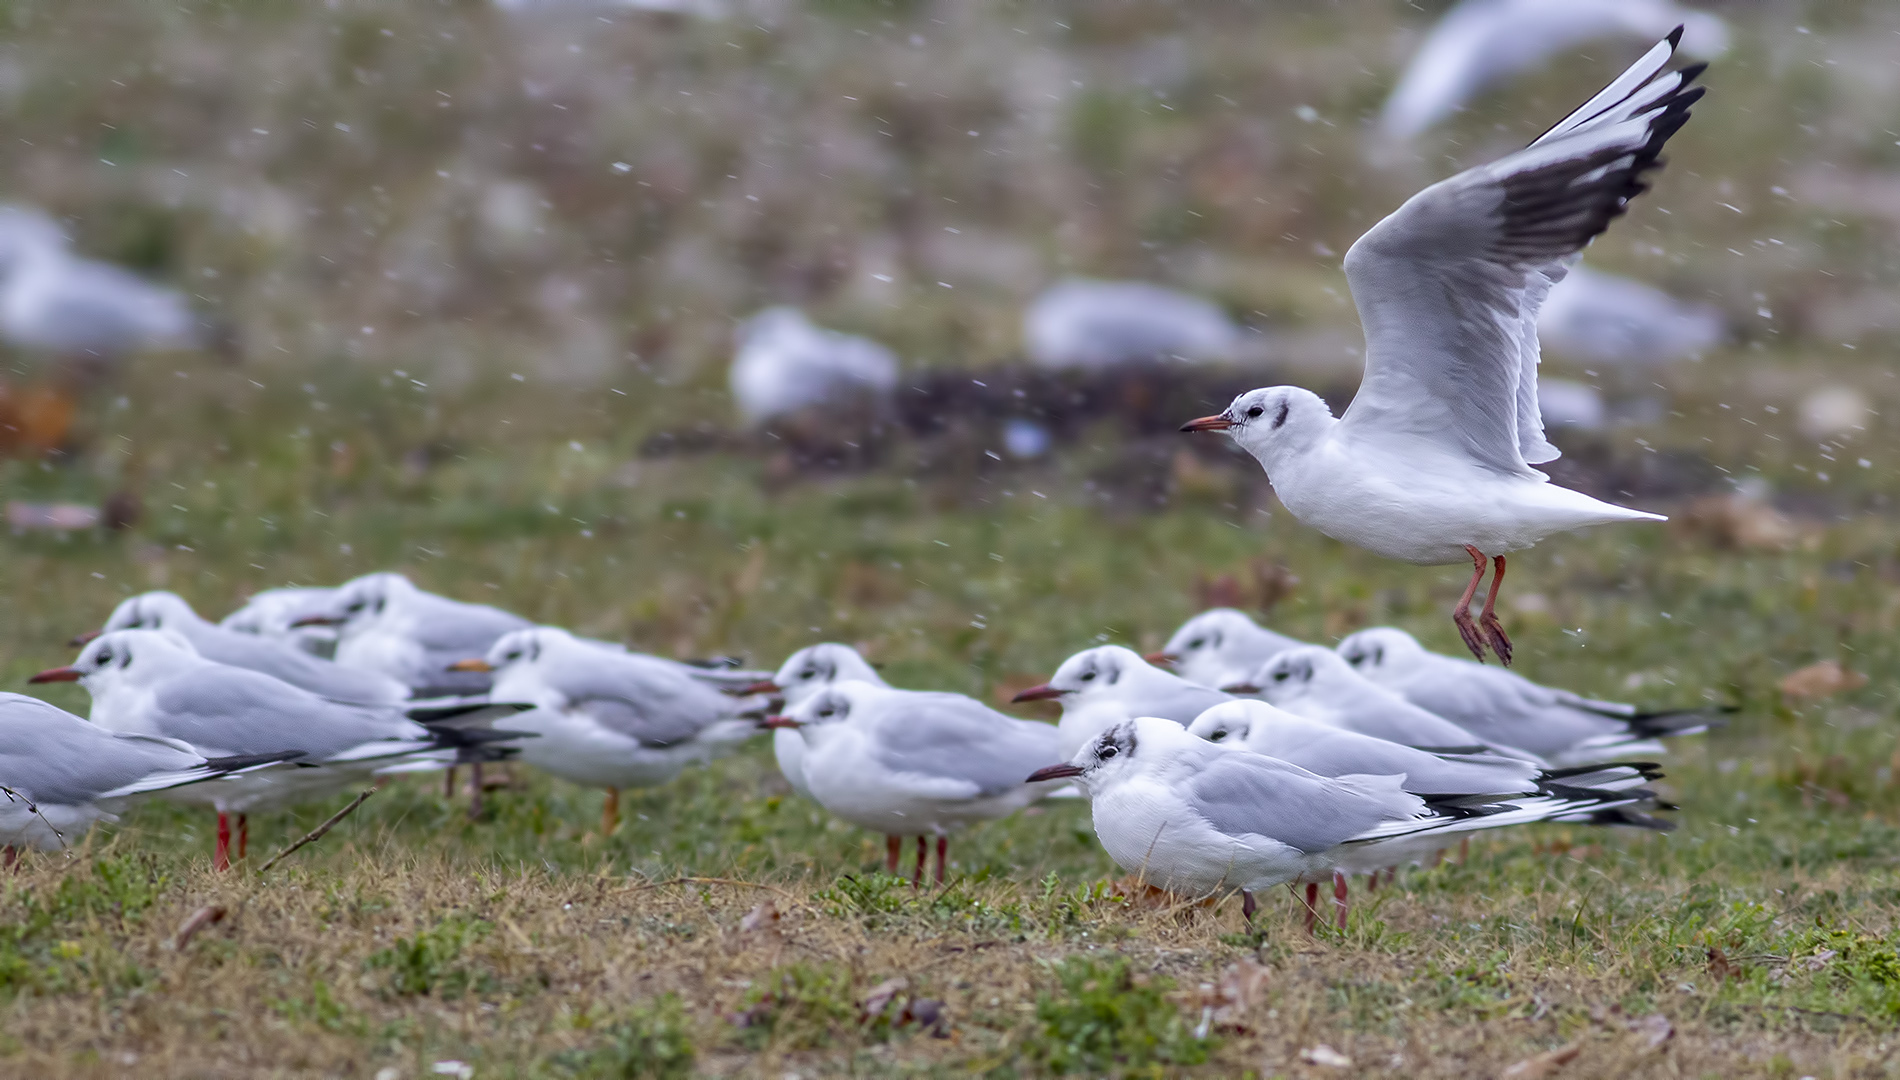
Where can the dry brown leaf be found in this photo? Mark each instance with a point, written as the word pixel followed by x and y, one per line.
pixel 196 921
pixel 1721 968
pixel 763 917
pixel 1326 1057
pixel 880 998
pixel 1544 1064
pixel 1824 679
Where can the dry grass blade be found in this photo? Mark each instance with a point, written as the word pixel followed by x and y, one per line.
pixel 316 834
pixel 1544 1064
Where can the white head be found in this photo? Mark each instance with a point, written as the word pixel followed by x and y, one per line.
pixel 1091 673
pixel 362 601
pixel 27 234
pixel 152 611
pixel 1270 421
pixel 824 712
pixel 123 659
pixel 815 667
pixel 1233 724
pixel 1215 647
pixel 523 648
pixel 1310 671
pixel 1124 749
pixel 1383 652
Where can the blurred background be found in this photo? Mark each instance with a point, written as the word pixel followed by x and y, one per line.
pixel 459 289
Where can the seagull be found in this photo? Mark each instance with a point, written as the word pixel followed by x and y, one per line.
pixel 1315 682
pixel 1480 42
pixel 1081 323
pixel 1606 319
pixel 1432 462
pixel 1102 686
pixel 804 673
pixel 785 365
pixel 1192 817
pixel 60 774
pixel 914 762
pixel 274 613
pixel 169 611
pixel 389 626
pixel 1219 647
pixel 151 682
pixel 1562 727
pixel 54 300
pixel 606 717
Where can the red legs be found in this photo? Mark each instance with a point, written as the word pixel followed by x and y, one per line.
pixel 1247 907
pixel 1461 615
pixel 221 856
pixel 1312 905
pixel 244 836
pixel 893 849
pixel 448 783
pixel 475 791
pixel 1339 899
pixel 1372 882
pixel 9 858
pixel 943 856
pixel 923 849
pixel 1488 620
pixel 1464 851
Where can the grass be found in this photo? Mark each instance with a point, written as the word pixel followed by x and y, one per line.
pixel 727 927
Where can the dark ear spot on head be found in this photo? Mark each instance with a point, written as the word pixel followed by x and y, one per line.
pixel 1280 417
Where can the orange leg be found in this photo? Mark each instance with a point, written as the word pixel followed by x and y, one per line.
pixel 1339 899
pixel 1461 615
pixel 1488 619
pixel 893 848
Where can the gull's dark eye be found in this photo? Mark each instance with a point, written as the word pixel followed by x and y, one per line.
pixel 1196 643
pixel 105 656
pixel 516 655
pixel 1255 411
pixel 358 606
pixel 1279 676
pixel 1088 676
pixel 1108 751
pixel 1218 735
pixel 810 673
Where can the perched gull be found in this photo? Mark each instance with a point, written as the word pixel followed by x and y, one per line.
pixel 1315 682
pixel 1605 319
pixel 151 682
pixel 63 773
pixel 1192 817
pixel 912 762
pixel 389 626
pixel 1480 42
pixel 1557 725
pixel 1432 462
pixel 1220 647
pixel 1102 686
pixel 274 613
pixel 1080 323
pixel 804 673
pixel 606 717
pixel 786 365
pixel 54 300
pixel 169 611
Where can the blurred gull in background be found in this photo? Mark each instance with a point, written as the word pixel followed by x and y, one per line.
pixel 53 300
pixel 275 613
pixel 786 365
pixel 1220 647
pixel 1091 324
pixel 1480 42
pixel 1593 316
pixel 387 625
pixel 804 674
pixel 1103 686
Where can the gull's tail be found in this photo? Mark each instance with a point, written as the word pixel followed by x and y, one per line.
pixel 211 769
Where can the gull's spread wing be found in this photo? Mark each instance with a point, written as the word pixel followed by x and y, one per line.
pixel 1448 285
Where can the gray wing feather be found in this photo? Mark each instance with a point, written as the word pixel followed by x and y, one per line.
pixel 654 701
pixel 1240 793
pixel 230 710
pixel 955 737
pixel 52 756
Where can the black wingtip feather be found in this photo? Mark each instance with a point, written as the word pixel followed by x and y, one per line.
pixel 1675 37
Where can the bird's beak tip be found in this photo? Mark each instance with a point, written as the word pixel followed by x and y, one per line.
pixel 780 722
pixel 763 686
pixel 1054 772
pixel 58 674
pixel 1240 688
pixel 317 620
pixel 1037 693
pixel 1208 423
pixel 474 664
pixel 1159 658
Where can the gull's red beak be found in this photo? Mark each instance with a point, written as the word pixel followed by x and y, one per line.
pixel 58 674
pixel 1054 772
pixel 81 639
pixel 474 664
pixel 1208 423
pixel 1160 658
pixel 763 686
pixel 780 722
pixel 1240 688
pixel 1045 692
pixel 319 620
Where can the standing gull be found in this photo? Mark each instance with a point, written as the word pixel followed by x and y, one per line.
pixel 804 673
pixel 1432 462
pixel 1220 646
pixel 275 613
pixel 387 625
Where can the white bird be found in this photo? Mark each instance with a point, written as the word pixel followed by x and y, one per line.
pixel 54 300
pixel 1105 685
pixel 274 613
pixel 169 611
pixel 1192 817
pixel 387 625
pixel 605 717
pixel 805 673
pixel 1432 462
pixel 1606 319
pixel 151 682
pixel 786 364
pixel 913 762
pixel 1557 725
pixel 1315 682
pixel 1082 323
pixel 1480 42
pixel 1220 647
pixel 62 774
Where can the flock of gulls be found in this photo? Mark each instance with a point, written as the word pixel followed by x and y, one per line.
pixel 1233 760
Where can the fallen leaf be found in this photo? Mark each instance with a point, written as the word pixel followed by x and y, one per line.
pixel 1824 679
pixel 1721 968
pixel 196 921
pixel 880 998
pixel 763 917
pixel 1654 1028
pixel 1325 1056
pixel 1544 1064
